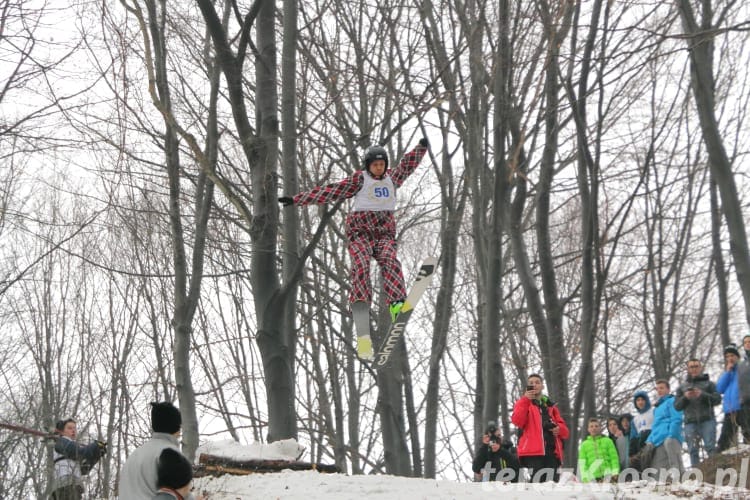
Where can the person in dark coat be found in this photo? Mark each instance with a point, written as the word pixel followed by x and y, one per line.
pixel 496 459
pixel 696 398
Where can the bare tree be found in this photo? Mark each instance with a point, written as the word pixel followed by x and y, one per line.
pixel 700 30
pixel 188 273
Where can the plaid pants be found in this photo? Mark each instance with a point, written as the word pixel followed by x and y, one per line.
pixel 383 250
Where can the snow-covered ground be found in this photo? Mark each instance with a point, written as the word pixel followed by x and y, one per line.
pixel 312 485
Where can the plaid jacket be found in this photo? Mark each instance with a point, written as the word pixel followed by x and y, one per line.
pixel 374 225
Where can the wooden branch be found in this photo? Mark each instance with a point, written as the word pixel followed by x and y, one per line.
pixel 213 465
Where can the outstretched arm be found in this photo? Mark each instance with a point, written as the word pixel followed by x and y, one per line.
pixel 74 451
pixel 409 163
pixel 324 194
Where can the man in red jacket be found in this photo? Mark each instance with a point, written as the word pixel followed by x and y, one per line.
pixel 540 447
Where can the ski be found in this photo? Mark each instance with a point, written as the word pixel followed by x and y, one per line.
pixel 396 331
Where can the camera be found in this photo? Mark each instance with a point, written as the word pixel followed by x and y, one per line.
pixel 491 429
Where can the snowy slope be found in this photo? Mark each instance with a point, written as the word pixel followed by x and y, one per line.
pixel 312 485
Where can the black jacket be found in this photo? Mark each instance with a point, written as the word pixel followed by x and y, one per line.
pixel 701 408
pixel 504 459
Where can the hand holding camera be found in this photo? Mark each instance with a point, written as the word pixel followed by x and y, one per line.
pixel 530 392
pixel 491 437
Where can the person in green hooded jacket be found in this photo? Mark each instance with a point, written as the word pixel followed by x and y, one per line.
pixel 597 455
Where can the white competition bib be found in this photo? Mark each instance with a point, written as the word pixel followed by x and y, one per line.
pixel 375 195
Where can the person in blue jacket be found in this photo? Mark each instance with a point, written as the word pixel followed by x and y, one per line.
pixel 666 433
pixel 728 385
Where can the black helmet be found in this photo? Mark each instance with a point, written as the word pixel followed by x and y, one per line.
pixel 375 153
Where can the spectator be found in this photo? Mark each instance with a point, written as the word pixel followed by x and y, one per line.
pixel 743 381
pixel 620 440
pixel 643 418
pixel 540 447
pixel 728 385
pixel 664 444
pixel 495 459
pixel 174 475
pixel 597 455
pixel 138 480
pixel 72 461
pixel 628 429
pixel 696 398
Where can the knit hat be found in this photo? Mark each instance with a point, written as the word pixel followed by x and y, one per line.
pixel 165 417
pixel 173 470
pixel 732 349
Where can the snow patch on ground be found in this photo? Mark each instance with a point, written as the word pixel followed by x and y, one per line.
pixel 287 449
pixel 312 485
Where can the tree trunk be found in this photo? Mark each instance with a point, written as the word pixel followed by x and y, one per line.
pixel 700 43
pixel 275 338
pixel 452 214
pixel 717 255
pixel 588 189
pixel 186 289
pixel 392 421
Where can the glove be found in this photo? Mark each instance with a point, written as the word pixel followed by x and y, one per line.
pixel 424 142
pixel 102 448
pixel 286 201
pixel 646 455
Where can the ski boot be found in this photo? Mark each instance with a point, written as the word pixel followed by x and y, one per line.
pixel 395 308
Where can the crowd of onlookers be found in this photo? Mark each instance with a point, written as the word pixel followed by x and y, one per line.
pixel 155 470
pixel 651 437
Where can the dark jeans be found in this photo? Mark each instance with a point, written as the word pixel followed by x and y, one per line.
pixel 70 492
pixel 733 421
pixel 542 468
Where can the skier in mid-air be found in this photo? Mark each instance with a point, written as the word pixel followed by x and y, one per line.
pixel 371 231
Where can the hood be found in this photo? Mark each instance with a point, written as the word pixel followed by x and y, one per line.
pixel 644 395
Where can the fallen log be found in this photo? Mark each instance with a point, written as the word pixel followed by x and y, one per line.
pixel 214 465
